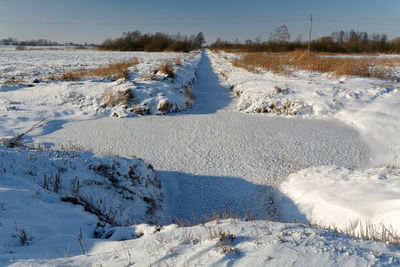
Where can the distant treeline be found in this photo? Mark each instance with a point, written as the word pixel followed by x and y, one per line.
pixel 136 41
pixel 38 42
pixel 338 42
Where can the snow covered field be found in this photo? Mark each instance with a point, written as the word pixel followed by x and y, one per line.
pixel 208 158
pixel 27 95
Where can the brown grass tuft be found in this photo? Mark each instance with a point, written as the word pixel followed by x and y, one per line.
pixel 112 71
pixel 284 63
pixel 140 110
pixel 164 106
pixel 225 240
pixel 189 96
pixel 115 98
pixel 150 76
pixel 367 231
pixel 168 69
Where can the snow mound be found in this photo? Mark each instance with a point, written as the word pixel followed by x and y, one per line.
pixel 119 191
pixel 379 123
pixel 347 198
pixel 233 243
pixel 304 93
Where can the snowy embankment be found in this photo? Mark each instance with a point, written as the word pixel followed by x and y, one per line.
pixel 120 191
pixel 347 198
pixel 37 228
pixel 333 195
pixel 51 199
pixel 28 94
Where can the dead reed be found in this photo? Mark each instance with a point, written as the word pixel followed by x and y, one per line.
pixel 168 69
pixel 112 71
pixel 285 63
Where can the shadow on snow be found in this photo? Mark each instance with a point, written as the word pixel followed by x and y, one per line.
pixel 195 198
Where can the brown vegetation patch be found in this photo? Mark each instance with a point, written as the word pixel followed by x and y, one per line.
pixel 284 63
pixel 140 110
pixel 13 81
pixel 168 69
pixel 189 96
pixel 112 71
pixel 150 76
pixel 283 108
pixel 115 98
pixel 178 61
pixel 164 106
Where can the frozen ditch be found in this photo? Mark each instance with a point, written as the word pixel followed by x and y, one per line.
pixel 212 157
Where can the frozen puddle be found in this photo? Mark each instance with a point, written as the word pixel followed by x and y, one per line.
pixel 213 158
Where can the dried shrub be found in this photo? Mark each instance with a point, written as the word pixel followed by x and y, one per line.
pixel 284 63
pixel 225 240
pixel 189 96
pixel 23 237
pixel 283 107
pixel 21 47
pixel 164 106
pixel 168 69
pixel 140 110
pixel 112 71
pixel 17 139
pixel 13 81
pixel 150 76
pixel 115 98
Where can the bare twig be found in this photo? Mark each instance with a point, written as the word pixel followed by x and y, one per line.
pixel 16 140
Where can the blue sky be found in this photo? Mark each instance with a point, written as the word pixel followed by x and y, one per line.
pixel 96 20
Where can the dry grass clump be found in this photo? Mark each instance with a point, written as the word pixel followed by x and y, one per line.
pixel 368 231
pixel 13 81
pixel 284 63
pixel 189 95
pixel 164 106
pixel 114 98
pixel 20 47
pixel 141 110
pixel 112 71
pixel 225 240
pixel 168 69
pixel 178 61
pixel 150 76
pixel 71 76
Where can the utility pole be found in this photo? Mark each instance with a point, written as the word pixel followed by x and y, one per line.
pixel 309 35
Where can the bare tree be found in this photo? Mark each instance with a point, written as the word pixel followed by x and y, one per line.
pixel 281 34
pixel 200 40
pixel 257 40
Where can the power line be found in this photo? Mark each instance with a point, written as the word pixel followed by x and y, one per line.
pixel 143 24
pixel 309 35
